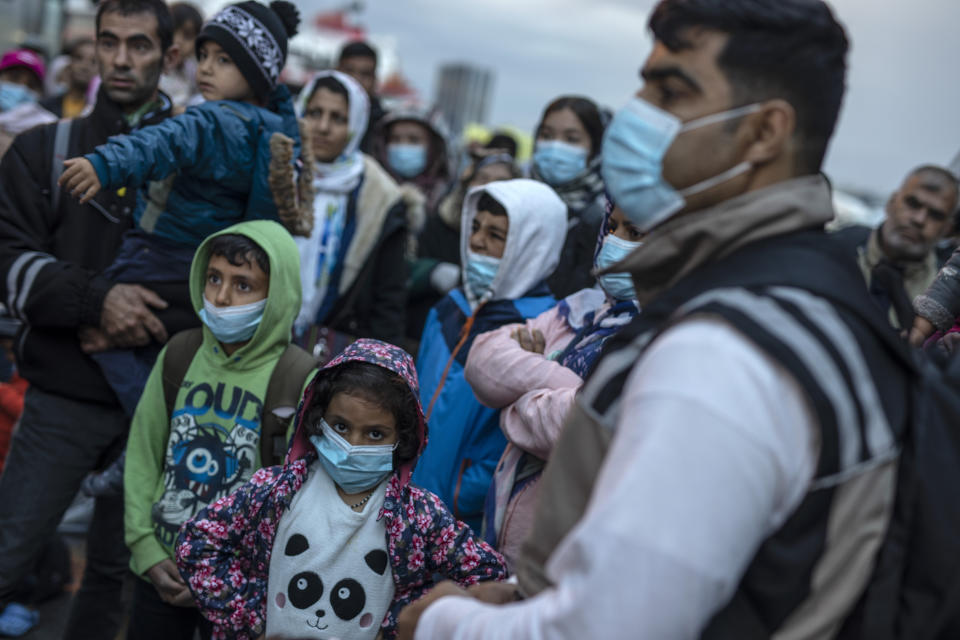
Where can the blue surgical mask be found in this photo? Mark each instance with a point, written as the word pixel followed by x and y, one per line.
pixel 618 286
pixel 633 150
pixel 231 325
pixel 13 95
pixel 407 160
pixel 478 274
pixel 354 468
pixel 559 162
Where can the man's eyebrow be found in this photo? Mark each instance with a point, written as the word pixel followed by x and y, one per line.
pixel 140 37
pixel 664 73
pixel 107 34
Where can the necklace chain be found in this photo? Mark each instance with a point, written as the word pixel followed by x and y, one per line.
pixel 364 501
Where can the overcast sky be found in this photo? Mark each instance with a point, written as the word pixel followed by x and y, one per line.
pixel 902 106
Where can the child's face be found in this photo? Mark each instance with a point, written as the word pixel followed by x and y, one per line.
pixel 489 234
pixel 621 227
pixel 218 78
pixel 359 421
pixel 230 285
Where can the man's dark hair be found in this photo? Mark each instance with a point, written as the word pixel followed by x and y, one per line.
pixel 374 384
pixel 333 85
pixel 587 113
pixel 131 7
pixel 505 141
pixel 490 204
pixel 184 13
pixel 358 49
pixel 789 49
pixel 240 250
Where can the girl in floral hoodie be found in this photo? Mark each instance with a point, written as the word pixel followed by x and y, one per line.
pixel 337 538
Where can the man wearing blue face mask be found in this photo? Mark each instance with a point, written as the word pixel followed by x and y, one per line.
pixel 196 440
pixel 728 469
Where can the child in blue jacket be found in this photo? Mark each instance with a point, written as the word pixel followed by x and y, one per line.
pixel 201 171
pixel 511 236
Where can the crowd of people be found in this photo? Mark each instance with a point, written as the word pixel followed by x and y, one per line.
pixel 329 374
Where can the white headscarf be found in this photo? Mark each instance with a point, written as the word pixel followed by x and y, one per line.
pixel 333 182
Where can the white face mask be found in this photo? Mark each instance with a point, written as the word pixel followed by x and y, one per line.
pixel 231 325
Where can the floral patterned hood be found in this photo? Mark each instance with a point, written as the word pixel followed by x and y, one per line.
pixel 381 354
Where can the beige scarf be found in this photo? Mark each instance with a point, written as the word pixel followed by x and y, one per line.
pixel 687 241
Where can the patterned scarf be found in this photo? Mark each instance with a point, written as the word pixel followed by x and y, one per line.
pixel 582 191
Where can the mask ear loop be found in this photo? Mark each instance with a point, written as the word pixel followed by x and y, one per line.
pixel 733 171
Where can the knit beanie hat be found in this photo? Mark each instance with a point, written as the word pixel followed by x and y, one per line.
pixel 255 37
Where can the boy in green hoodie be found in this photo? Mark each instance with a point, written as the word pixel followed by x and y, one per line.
pixel 187 452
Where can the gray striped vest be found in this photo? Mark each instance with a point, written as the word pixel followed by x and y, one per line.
pixel 801 300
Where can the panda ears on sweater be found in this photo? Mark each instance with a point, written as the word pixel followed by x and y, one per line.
pixel 296 545
pixel 377 560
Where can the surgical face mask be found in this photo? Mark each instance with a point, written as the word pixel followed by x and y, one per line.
pixel 633 150
pixel 479 272
pixel 618 286
pixel 407 160
pixel 231 325
pixel 559 162
pixel 355 469
pixel 13 95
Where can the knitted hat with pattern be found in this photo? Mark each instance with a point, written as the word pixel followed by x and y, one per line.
pixel 255 37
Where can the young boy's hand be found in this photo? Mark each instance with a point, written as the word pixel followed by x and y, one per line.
pixel 80 179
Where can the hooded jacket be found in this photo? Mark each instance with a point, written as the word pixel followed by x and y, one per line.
pixel 213 161
pixel 178 464
pixel 224 552
pixel 436 179
pixel 458 465
pixel 53 259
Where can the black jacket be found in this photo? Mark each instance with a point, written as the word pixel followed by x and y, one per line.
pixel 374 305
pixel 51 259
pixel 575 269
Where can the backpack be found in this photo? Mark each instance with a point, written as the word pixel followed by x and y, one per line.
pixel 914 592
pixel 283 389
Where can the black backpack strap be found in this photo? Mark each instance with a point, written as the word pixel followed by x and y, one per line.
pixel 283 391
pixel 180 351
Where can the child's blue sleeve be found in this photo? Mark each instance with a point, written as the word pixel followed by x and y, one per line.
pixel 210 141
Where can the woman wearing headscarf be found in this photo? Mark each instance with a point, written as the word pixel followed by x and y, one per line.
pixel 352 266
pixel 532 372
pixel 567 157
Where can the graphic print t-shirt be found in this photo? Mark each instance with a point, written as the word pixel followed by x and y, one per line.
pixel 330 574
pixel 213 448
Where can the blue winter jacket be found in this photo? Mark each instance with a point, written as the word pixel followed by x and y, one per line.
pixel 203 170
pixel 465 438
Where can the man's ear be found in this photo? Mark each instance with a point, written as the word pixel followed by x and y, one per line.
pixel 170 58
pixel 771 130
pixel 888 208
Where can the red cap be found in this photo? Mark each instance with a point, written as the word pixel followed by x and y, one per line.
pixel 23 58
